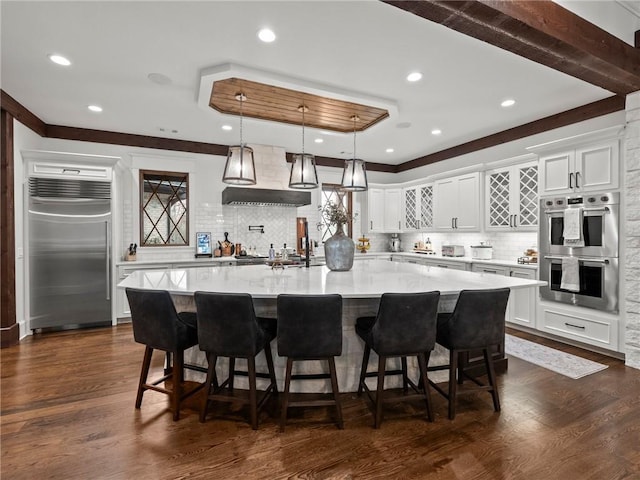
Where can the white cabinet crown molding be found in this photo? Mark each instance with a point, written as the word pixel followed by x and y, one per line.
pixel 578 140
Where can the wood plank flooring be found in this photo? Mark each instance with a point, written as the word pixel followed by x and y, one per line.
pixel 68 413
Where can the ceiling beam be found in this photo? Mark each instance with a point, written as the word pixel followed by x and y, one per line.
pixel 580 114
pixel 543 32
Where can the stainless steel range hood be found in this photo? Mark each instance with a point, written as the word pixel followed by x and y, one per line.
pixel 265 197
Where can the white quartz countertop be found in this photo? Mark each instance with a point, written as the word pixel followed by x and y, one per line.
pixel 367 279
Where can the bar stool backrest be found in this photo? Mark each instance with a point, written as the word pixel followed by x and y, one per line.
pixel 406 323
pixel 155 320
pixel 227 324
pixel 478 318
pixel 309 326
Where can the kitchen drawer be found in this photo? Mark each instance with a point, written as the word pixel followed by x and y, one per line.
pixel 595 331
pixel 495 270
pixel 445 264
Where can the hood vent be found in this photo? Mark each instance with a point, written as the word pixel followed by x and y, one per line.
pixel 265 197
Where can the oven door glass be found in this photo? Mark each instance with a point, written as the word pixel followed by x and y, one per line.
pixel 591 280
pixel 592 230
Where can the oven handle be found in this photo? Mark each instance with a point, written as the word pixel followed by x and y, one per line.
pixel 582 259
pixel 602 209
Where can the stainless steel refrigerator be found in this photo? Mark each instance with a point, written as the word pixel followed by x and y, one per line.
pixel 69 253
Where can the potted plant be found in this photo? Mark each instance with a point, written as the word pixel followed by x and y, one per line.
pixel 339 249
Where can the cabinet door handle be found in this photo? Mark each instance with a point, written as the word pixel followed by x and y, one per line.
pixel 510 220
pixel 577 177
pixel 581 327
pixel 452 225
pixel 456 222
pixel 570 179
pixel 371 222
pixel 399 228
pixel 489 271
pixel 515 221
pixel 442 266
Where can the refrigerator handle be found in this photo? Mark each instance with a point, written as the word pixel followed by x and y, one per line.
pixel 108 258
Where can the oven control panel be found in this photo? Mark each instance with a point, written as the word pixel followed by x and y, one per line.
pixel 591 200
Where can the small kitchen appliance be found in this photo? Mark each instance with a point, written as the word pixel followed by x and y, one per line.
pixel 481 252
pixel 453 251
pixel 394 243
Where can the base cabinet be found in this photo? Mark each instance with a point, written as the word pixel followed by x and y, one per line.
pixel 580 324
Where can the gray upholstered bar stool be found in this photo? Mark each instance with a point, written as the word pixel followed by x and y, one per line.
pixel 228 327
pixel 476 324
pixel 404 326
pixel 157 325
pixel 310 328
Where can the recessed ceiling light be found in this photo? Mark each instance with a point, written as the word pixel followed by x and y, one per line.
pixel 389 150
pixel 159 78
pixel 414 76
pixel 436 131
pixel 403 125
pixel 266 35
pixel 227 127
pixel 508 103
pixel 95 108
pixel 319 140
pixel 60 60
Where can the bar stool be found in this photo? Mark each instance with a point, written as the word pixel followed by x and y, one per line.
pixel 228 327
pixel 477 323
pixel 404 326
pixel 310 328
pixel 157 325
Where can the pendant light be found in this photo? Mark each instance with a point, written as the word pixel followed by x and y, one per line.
pixel 303 169
pixel 354 176
pixel 240 168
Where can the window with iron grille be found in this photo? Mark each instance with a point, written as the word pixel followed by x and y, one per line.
pixel 335 194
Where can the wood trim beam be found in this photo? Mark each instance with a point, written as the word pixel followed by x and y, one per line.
pixel 9 329
pixel 131 140
pixel 591 110
pixel 637 39
pixel 339 163
pixel 21 114
pixel 543 32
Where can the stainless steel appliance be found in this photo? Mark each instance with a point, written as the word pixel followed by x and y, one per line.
pixel 395 243
pixel 598 270
pixel 69 252
pixel 598 282
pixel 600 224
pixel 453 251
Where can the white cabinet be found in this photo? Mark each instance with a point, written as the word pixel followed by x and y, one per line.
pixel 511 198
pixel 521 308
pixel 579 324
pixel 418 208
pixel 384 210
pixel 581 169
pixel 440 263
pixel 457 203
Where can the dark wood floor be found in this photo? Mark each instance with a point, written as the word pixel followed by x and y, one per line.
pixel 68 413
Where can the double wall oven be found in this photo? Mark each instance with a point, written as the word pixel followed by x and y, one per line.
pixel 596 252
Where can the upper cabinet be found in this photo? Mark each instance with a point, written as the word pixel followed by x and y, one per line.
pixel 583 168
pixel 384 210
pixel 456 204
pixel 511 198
pixel 418 208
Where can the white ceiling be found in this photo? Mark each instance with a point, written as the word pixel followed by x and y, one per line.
pixel 361 46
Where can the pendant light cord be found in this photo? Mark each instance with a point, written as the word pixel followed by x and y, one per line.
pixel 241 105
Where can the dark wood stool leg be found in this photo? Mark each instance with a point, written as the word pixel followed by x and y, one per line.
pixel 144 373
pixel 488 361
pixel 211 375
pixel 336 392
pixel 405 384
pixel 382 361
pixel 363 371
pixel 232 367
pixel 422 362
pixel 272 372
pixel 253 402
pixel 178 372
pixel 453 367
pixel 285 399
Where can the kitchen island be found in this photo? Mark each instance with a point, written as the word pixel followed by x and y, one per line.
pixel 360 287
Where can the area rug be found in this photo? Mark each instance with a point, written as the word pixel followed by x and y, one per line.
pixel 549 358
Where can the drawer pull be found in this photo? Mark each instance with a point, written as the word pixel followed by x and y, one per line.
pixel 489 271
pixel 581 327
pixel 443 266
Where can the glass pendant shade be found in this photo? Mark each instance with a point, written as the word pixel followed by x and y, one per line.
pixel 303 172
pixel 354 176
pixel 240 168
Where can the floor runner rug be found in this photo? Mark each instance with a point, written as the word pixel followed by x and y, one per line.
pixel 560 362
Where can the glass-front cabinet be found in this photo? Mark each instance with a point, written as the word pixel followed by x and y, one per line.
pixel 418 208
pixel 511 198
